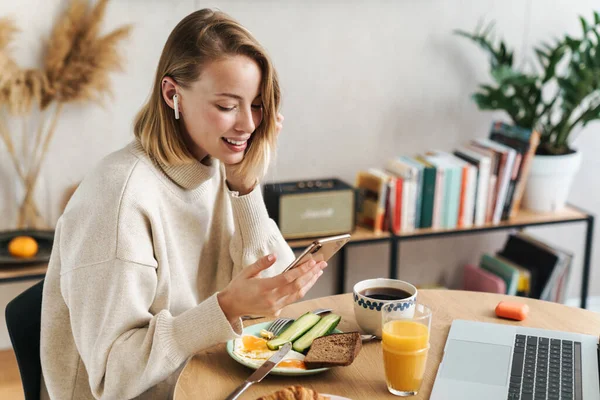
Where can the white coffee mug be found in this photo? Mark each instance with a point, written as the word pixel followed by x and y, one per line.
pixel 367 311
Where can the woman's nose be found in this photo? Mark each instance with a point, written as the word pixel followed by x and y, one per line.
pixel 245 122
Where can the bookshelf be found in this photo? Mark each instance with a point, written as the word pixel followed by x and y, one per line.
pixel 523 219
pixel 362 236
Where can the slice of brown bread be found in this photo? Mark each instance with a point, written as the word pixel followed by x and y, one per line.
pixel 337 349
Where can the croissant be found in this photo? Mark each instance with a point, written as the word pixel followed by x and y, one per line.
pixel 294 393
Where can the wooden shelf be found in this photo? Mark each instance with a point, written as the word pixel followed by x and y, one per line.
pixel 359 234
pixel 523 218
pixel 363 235
pixel 21 273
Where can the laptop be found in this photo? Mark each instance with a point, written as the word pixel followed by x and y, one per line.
pixel 499 362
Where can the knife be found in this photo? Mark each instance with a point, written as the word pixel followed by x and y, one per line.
pixel 262 371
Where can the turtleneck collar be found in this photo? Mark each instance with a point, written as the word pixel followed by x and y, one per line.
pixel 187 176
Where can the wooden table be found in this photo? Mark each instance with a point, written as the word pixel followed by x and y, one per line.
pixel 212 374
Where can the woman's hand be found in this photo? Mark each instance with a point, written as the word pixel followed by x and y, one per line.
pixel 247 293
pixel 236 182
pixel 279 124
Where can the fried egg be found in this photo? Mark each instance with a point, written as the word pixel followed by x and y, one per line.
pixel 254 351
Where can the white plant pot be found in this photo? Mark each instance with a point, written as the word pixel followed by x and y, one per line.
pixel 549 182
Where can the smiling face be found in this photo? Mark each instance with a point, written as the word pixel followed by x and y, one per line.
pixel 222 108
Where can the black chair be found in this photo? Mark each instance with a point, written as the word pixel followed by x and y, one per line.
pixel 23 317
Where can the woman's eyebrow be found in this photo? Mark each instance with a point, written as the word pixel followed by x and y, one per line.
pixel 234 96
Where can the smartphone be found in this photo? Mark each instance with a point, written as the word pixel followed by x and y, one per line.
pixel 320 250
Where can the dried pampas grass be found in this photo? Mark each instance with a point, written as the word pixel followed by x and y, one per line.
pixel 77 65
pixel 78 60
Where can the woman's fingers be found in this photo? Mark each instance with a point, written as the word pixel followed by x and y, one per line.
pixel 279 123
pixel 289 276
pixel 298 284
pixel 302 292
pixel 292 285
pixel 260 265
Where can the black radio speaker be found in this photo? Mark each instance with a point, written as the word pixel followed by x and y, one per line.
pixel 313 208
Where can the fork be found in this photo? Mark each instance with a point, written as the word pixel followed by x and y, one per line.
pixel 281 323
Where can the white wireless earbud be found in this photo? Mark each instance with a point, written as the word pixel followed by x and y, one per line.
pixel 176 105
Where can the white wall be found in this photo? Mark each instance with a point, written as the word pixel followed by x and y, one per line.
pixel 362 81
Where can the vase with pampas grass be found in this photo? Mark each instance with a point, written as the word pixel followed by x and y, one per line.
pixel 76 67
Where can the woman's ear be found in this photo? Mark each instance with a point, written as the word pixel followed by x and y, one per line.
pixel 168 89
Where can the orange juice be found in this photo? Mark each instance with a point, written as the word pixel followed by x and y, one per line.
pixel 405 346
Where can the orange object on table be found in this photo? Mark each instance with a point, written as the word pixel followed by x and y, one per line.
pixel 405 345
pixel 512 310
pixel 23 247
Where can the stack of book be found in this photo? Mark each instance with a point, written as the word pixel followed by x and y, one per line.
pixel 526 266
pixel 478 183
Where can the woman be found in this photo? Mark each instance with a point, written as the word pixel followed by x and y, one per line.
pixel 167 243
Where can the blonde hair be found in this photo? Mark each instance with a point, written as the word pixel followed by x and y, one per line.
pixel 200 38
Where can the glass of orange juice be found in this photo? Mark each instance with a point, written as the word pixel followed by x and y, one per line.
pixel 405 342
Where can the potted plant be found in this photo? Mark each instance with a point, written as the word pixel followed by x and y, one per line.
pixel 557 94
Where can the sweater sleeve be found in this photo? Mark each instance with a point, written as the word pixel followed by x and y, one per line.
pixel 256 235
pixel 125 348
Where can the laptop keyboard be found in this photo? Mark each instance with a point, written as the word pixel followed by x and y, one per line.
pixel 545 369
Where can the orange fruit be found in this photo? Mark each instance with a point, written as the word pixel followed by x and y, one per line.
pixel 23 247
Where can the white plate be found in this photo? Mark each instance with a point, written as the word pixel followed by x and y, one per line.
pixel 334 397
pixel 255 331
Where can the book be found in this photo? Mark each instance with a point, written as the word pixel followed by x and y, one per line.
pixel 440 205
pixel 482 163
pixel 409 175
pixel 429 185
pixel 493 177
pixel 452 187
pixel 397 207
pixel 526 142
pixel 468 190
pixel 550 291
pixel 504 270
pixel 524 283
pixel 527 136
pixel 419 194
pixel 521 149
pixel 540 260
pixel 390 205
pixel 372 185
pixel 562 282
pixel 476 279
pixel 507 160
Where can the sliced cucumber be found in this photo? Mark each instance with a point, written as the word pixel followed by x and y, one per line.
pixel 324 327
pixel 294 331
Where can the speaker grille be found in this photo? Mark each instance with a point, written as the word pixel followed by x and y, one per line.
pixel 316 214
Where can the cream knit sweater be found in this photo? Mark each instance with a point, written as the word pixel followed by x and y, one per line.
pixel 139 255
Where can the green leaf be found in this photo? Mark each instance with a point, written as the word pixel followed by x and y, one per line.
pixel 553 60
pixel 542 57
pixel 502 53
pixel 504 74
pixel 462 33
pixel 548 47
pixel 596 18
pixel 487 88
pixel 592 113
pixel 584 25
pixel 597 34
pixel 572 43
pixel 489 28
